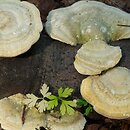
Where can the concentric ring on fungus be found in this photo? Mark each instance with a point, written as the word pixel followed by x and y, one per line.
pixel 20 27
pixel 96 56
pixel 109 93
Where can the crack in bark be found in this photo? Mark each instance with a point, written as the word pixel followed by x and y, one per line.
pixel 23 115
pixel 123 25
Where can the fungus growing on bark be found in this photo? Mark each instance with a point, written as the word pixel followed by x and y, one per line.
pixel 20 27
pixel 13 115
pixel 67 122
pixel 87 20
pixel 96 56
pixel 109 93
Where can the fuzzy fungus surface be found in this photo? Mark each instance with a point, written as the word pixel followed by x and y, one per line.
pixel 13 115
pixel 20 27
pixel 109 93
pixel 87 20
pixel 96 56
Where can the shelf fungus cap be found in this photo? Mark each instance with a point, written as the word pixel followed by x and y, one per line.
pixel 87 20
pixel 109 93
pixel 12 116
pixel 67 122
pixel 96 56
pixel 20 27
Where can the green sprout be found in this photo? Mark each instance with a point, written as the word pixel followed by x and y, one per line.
pixel 60 102
pixel 87 108
pixel 49 102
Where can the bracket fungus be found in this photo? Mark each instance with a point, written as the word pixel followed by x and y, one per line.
pixel 87 20
pixel 13 117
pixel 109 93
pixel 96 56
pixel 20 27
pixel 67 122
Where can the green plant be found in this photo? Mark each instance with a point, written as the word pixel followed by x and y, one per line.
pixel 66 106
pixel 50 102
pixel 86 107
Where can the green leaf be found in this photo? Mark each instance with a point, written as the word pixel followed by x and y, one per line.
pixel 62 109
pixel 66 107
pixel 65 93
pixel 60 91
pixel 52 97
pixel 52 104
pixel 88 111
pixel 49 101
pixel 70 110
pixel 70 103
pixel 82 103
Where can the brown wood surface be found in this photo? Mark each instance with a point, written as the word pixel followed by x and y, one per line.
pixel 48 61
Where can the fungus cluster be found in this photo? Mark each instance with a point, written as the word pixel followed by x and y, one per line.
pixel 20 27
pixel 90 23
pixel 93 24
pixel 15 116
